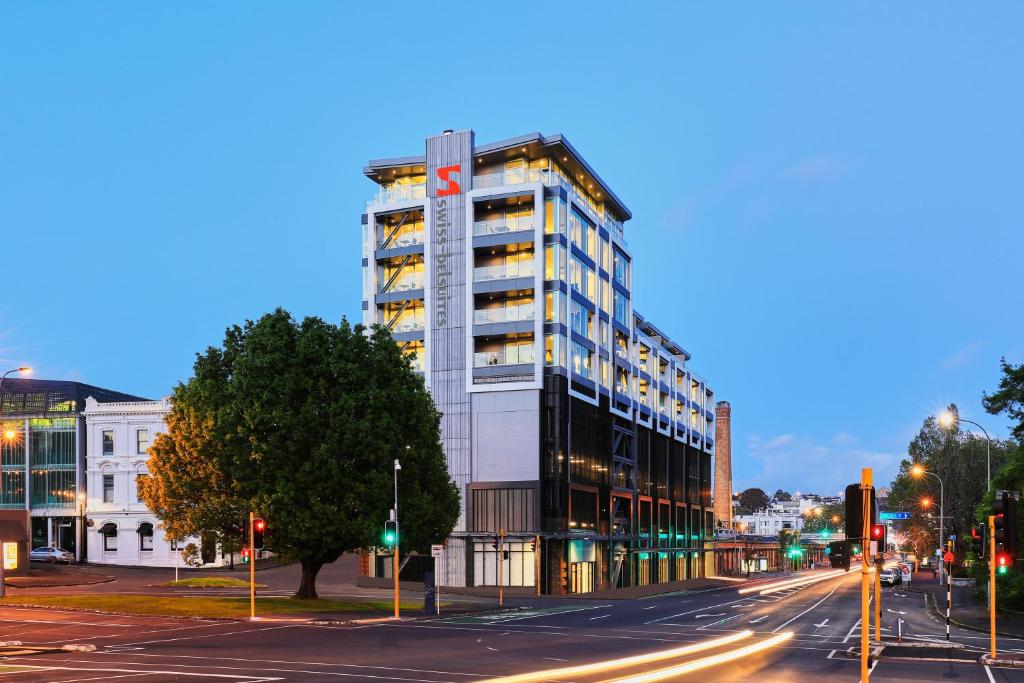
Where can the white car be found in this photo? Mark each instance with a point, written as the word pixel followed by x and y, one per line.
pixel 50 554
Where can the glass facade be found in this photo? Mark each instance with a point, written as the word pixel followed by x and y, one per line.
pixel 12 455
pixel 52 461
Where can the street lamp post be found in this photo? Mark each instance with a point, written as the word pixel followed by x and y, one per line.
pixel 8 437
pixel 918 471
pixel 397 568
pixel 951 420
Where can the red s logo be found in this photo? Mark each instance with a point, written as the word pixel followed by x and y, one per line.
pixel 450 186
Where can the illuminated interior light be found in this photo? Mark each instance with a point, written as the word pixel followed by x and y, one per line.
pixel 697 664
pixel 612 664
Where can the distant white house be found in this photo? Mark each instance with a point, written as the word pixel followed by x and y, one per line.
pixel 120 528
pixel 778 516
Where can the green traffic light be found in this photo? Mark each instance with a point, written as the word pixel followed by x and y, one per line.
pixel 824 533
pixel 1001 570
pixel 389 537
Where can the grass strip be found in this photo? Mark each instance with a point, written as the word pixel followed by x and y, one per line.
pixel 216 607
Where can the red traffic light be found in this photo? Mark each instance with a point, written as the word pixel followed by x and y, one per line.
pixel 245 552
pixel 877 532
pixel 259 525
pixel 1003 560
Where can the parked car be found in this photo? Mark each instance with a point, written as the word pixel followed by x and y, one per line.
pixel 891 577
pixel 50 554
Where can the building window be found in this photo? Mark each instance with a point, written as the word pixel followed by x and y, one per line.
pixel 620 268
pixel 138 488
pixel 145 532
pixel 581 361
pixel 108 442
pixel 621 309
pixel 141 441
pixel 581 278
pixel 109 533
pixel 108 488
pixel 174 545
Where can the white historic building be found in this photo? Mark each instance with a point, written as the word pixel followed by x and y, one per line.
pixel 778 516
pixel 120 528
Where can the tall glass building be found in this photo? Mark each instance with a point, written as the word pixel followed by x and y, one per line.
pixel 48 452
pixel 573 425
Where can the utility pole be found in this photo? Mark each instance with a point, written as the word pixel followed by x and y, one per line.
pixel 397 568
pixel 865 573
pixel 252 568
pixel 992 584
pixel 536 563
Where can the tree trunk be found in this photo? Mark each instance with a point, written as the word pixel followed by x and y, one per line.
pixel 307 589
pixel 231 561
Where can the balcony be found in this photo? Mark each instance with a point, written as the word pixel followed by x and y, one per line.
pixel 399 193
pixel 408 324
pixel 406 283
pixel 409 239
pixel 515 176
pixel 505 314
pixel 501 226
pixel 503 272
pixel 511 355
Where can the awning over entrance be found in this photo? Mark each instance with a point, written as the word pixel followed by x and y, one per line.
pixel 108 529
pixel 145 529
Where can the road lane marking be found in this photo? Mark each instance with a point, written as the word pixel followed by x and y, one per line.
pixel 778 628
pixel 988 672
pixel 821 624
pixel 759 619
pixel 708 616
pixel 500 620
pixel 603 616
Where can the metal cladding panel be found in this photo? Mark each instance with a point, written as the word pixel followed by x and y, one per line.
pixel 449 177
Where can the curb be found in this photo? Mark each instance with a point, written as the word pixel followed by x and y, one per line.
pixel 976 629
pixel 989 661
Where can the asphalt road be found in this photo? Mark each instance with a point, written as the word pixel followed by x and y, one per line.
pixel 819 622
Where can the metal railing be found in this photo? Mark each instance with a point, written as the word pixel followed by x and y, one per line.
pixel 506 314
pixel 503 272
pixel 497 226
pixel 407 239
pixel 405 283
pixel 516 176
pixel 399 193
pixel 512 355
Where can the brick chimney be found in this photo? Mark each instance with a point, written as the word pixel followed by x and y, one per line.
pixel 723 463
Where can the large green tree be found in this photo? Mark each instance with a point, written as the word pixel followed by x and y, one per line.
pixel 301 423
pixel 958 459
pixel 1009 398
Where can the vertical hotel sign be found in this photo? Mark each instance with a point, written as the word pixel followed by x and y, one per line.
pixel 447 184
pixel 449 178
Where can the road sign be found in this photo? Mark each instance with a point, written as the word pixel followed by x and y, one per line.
pixel 949 557
pixel 905 572
pixel 889 516
pixel 437 551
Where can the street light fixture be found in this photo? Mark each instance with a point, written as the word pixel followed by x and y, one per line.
pixel 918 471
pixel 950 419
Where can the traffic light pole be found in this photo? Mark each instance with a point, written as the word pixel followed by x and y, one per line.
pixel 879 560
pixel 865 574
pixel 992 584
pixel 252 568
pixel 501 567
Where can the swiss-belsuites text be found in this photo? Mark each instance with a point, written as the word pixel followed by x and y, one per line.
pixel 442 269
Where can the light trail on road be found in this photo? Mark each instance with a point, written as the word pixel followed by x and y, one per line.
pixel 697 664
pixel 793 583
pixel 623 662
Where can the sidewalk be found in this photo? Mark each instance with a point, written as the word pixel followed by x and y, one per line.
pixel 967 610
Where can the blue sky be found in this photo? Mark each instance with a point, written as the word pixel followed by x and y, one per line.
pixel 826 200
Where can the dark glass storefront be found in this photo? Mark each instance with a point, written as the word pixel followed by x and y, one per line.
pixel 622 504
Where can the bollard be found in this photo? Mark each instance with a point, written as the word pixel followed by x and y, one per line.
pixel 429 593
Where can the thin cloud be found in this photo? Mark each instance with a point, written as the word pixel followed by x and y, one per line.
pixel 800 462
pixel 820 168
pixel 963 357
